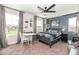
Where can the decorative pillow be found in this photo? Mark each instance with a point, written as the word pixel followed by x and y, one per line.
pixel 76 44
pixel 49 31
pixel 54 31
pixel 41 34
pixel 48 35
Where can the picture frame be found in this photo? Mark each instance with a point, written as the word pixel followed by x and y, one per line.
pixel 30 24
pixel 26 21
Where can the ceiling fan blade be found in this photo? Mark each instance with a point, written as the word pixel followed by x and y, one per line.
pixel 41 12
pixel 40 8
pixel 51 11
pixel 50 7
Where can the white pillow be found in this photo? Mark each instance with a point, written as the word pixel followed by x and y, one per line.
pixel 47 35
pixel 54 32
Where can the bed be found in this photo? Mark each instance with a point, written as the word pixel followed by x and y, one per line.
pixel 50 37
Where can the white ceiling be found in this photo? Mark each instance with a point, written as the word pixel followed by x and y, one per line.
pixel 61 9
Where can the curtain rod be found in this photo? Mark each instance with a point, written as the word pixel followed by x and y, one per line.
pixel 11 8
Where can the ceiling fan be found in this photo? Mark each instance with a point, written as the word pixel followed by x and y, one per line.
pixel 47 9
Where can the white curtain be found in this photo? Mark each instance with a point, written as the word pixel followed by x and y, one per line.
pixel 20 29
pixel 35 19
pixel 2 27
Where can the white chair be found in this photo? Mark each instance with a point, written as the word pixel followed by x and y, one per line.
pixel 23 38
pixel 30 39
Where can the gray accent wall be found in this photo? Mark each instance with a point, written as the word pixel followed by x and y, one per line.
pixel 63 20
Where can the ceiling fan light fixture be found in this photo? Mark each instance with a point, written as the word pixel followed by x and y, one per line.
pixel 45 14
pixel 46 10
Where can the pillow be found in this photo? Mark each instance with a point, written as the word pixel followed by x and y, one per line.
pixel 76 44
pixel 41 34
pixel 54 32
pixel 47 35
pixel 49 31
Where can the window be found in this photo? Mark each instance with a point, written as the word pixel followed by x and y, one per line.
pixel 12 19
pixel 39 25
pixel 72 24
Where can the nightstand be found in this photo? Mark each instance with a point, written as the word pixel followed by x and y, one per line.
pixel 64 37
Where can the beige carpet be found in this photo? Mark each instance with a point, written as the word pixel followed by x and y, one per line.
pixel 37 48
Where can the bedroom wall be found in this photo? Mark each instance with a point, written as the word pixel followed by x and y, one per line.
pixel 63 20
pixel 28 22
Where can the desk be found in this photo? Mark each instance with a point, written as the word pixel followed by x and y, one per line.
pixel 29 36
